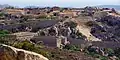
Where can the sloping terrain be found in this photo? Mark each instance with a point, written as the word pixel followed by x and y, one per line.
pixel 35 25
pixel 58 54
pixel 11 53
pixel 85 30
pixel 109 29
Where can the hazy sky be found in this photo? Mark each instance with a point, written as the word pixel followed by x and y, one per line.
pixel 62 3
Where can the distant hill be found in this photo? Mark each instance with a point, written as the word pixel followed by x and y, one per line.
pixel 117 7
pixel 7 6
pixel 4 6
pixel 31 7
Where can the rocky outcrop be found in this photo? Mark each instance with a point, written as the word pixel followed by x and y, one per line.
pixel 11 53
pixel 85 30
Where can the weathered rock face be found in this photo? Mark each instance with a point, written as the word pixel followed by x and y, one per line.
pixel 11 53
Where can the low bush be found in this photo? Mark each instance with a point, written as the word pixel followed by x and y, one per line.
pixel 72 47
pixel 26 45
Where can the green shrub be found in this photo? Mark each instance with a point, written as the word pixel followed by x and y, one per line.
pixel 103 58
pixel 110 51
pixel 1 14
pixel 72 47
pixel 26 45
pixel 3 33
pixel 117 52
pixel 96 55
pixel 4 37
pixel 91 53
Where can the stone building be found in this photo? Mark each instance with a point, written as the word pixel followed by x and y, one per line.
pixel 49 41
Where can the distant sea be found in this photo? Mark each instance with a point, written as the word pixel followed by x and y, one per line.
pixel 117 7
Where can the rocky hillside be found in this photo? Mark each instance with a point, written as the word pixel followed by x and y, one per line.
pixel 85 30
pixel 108 30
pixel 11 53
